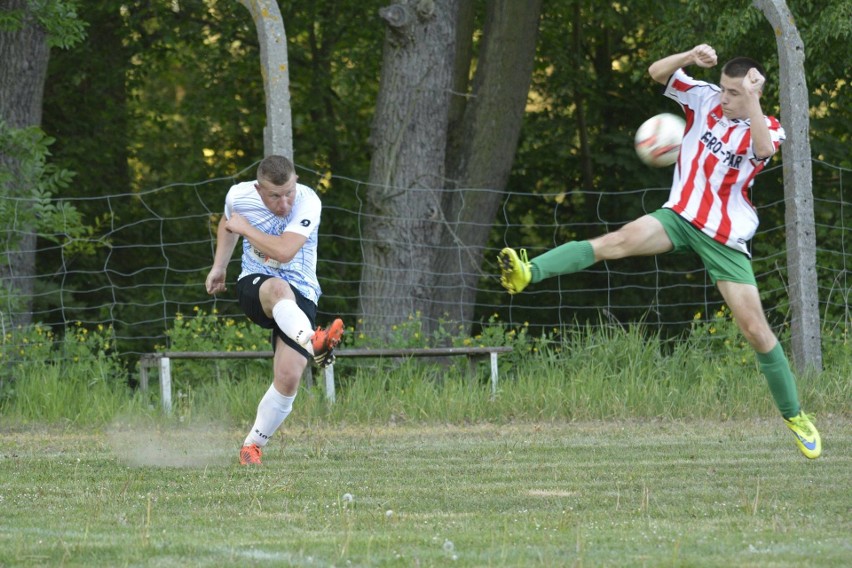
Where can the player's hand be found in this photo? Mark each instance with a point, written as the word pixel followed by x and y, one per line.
pixel 703 55
pixel 215 282
pixel 237 224
pixel 753 82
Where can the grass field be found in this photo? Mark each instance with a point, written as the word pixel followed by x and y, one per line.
pixel 608 493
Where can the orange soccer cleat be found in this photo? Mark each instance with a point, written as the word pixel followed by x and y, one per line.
pixel 325 340
pixel 250 455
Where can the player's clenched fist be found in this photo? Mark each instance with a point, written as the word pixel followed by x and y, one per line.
pixel 753 81
pixel 703 55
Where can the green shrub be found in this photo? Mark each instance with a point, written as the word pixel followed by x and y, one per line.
pixel 75 376
pixel 207 332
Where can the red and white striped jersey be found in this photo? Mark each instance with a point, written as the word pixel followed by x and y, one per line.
pixel 716 165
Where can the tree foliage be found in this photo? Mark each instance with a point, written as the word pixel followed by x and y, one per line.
pixel 59 18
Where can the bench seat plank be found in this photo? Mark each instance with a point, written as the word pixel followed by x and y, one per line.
pixel 401 352
pixel 162 360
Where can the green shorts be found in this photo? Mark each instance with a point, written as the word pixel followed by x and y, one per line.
pixel 721 262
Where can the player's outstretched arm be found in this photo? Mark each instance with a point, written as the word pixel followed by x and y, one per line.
pixel 226 241
pixel 702 55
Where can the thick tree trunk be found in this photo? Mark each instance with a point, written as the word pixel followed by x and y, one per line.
pixel 465 27
pixel 482 162
pixel 24 56
pixel 407 169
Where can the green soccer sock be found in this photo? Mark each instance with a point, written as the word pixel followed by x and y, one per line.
pixel 564 259
pixel 782 383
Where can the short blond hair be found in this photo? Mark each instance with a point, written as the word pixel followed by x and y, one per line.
pixel 277 170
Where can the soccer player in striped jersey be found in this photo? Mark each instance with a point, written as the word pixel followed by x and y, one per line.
pixel 727 141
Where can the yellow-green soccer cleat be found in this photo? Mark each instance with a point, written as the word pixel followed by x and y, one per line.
pixel 807 437
pixel 515 272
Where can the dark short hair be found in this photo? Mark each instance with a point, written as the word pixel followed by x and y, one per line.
pixel 739 66
pixel 277 170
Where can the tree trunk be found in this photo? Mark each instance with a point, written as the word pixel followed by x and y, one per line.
pixel 24 56
pixel 586 173
pixel 407 168
pixel 465 27
pixel 798 192
pixel 278 134
pixel 481 164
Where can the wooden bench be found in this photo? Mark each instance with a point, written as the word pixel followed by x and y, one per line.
pixel 162 361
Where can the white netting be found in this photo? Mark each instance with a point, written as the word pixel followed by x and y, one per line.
pixel 152 251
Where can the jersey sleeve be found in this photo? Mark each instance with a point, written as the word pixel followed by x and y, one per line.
pixel 776 131
pixel 776 135
pixel 229 202
pixel 305 217
pixel 686 91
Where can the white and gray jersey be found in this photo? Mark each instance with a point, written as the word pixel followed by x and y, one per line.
pixel 303 219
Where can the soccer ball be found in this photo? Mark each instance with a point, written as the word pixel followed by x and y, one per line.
pixel 658 140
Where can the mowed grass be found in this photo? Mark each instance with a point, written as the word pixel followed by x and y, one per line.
pixel 595 493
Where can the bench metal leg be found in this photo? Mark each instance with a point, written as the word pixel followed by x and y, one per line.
pixel 166 384
pixel 329 384
pixel 493 376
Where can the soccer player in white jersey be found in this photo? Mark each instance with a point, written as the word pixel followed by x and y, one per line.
pixel 278 220
pixel 727 141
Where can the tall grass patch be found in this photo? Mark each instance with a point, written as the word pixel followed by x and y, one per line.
pixel 73 377
pixel 574 373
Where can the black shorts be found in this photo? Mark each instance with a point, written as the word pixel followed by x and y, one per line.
pixel 248 296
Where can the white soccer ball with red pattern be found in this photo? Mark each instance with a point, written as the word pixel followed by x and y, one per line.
pixel 658 140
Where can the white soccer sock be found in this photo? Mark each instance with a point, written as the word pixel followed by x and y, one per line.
pixel 274 407
pixel 294 323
